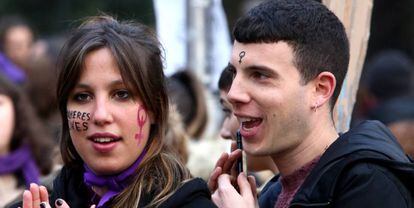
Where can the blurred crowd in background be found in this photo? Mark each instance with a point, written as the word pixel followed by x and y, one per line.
pixel 32 32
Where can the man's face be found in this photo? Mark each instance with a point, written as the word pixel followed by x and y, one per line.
pixel 268 98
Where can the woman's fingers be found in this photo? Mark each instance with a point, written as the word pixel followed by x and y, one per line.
pixel 34 189
pixel 27 199
pixel 44 205
pixel 36 197
pixel 60 203
pixel 44 195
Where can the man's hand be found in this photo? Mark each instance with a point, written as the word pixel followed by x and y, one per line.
pixel 227 196
pixel 225 165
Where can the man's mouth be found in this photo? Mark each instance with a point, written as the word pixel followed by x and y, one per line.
pixel 249 123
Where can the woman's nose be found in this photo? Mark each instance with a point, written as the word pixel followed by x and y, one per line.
pixel 101 114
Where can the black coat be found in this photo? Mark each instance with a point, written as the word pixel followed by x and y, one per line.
pixel 365 167
pixel 68 185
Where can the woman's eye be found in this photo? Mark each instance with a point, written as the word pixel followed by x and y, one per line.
pixel 122 94
pixel 82 97
pixel 227 112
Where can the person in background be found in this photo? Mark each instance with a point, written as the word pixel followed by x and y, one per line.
pixel 25 147
pixel 22 60
pixel 177 138
pixel 398 115
pixel 15 46
pixel 289 60
pixel 111 94
pixel 387 75
pixel 187 94
pixel 16 40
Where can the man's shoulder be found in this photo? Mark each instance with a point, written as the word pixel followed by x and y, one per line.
pixel 270 192
pixel 373 184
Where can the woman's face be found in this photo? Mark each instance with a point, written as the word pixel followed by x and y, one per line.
pixel 6 123
pixel 109 127
pixel 230 124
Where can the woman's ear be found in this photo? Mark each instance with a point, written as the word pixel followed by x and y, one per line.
pixel 324 85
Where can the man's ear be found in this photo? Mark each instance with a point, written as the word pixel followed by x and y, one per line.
pixel 324 85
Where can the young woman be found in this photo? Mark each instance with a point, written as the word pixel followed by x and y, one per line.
pixel 25 149
pixel 112 97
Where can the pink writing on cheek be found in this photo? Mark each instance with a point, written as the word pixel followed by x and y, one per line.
pixel 141 120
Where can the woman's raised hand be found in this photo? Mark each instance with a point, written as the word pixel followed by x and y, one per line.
pixel 38 197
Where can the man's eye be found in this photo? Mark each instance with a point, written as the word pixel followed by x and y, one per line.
pixel 122 94
pixel 82 97
pixel 259 75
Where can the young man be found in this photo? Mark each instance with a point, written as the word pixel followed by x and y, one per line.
pixel 289 60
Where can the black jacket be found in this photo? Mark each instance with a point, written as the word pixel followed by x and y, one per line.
pixel 365 167
pixel 68 185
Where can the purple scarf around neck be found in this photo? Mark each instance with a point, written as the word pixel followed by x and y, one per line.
pixel 20 160
pixel 114 183
pixel 11 71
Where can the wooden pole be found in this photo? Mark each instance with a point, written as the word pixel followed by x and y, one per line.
pixel 356 17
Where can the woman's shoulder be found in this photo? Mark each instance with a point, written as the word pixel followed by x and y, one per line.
pixel 69 185
pixel 193 193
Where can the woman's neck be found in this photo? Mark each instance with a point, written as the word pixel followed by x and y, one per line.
pixel 4 151
pixel 100 191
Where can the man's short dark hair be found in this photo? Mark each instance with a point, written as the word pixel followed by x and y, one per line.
pixel 316 35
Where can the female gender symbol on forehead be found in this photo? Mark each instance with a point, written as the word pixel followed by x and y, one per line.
pixel 241 55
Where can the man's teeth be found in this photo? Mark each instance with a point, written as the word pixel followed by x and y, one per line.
pixel 103 140
pixel 248 119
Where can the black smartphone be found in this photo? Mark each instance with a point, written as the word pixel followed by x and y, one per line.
pixel 239 165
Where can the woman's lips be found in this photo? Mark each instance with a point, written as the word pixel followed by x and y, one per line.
pixel 104 142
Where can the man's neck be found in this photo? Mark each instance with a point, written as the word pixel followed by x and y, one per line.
pixel 311 146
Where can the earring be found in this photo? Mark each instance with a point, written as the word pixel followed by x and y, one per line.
pixel 315 107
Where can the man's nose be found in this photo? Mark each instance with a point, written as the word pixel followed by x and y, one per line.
pixel 237 93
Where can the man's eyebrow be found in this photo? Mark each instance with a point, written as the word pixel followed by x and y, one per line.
pixel 262 68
